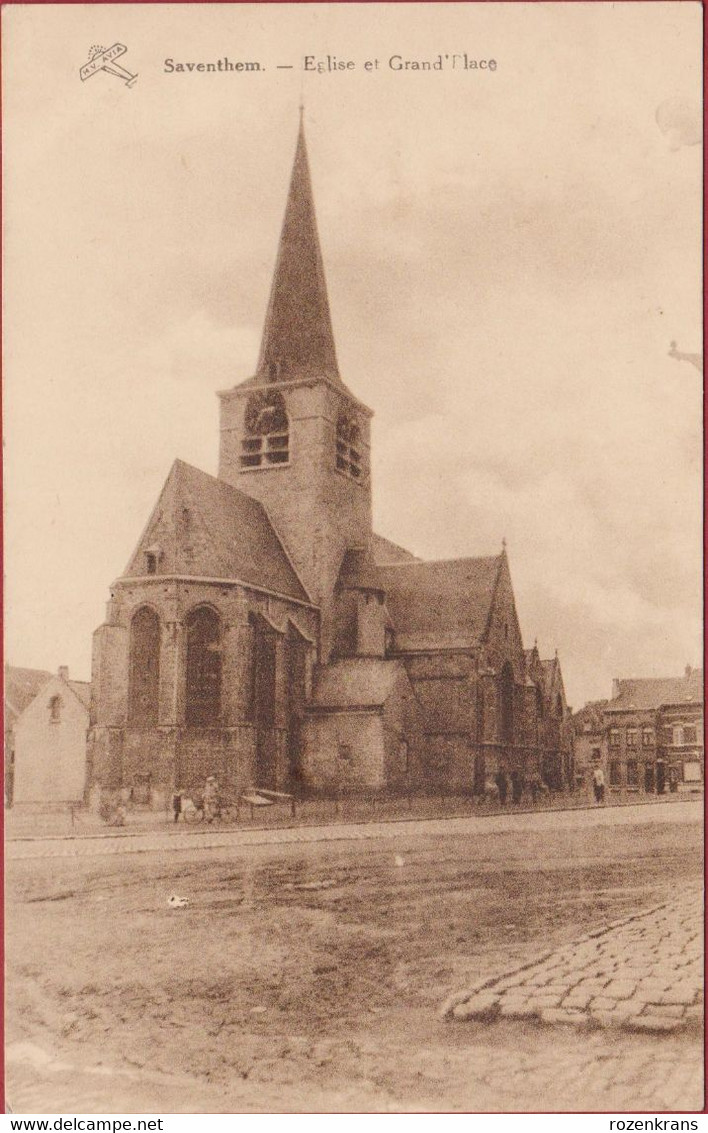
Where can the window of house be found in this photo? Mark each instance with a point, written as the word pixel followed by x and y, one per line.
pixel 631 737
pixel 677 735
pixel 266 436
pixel 667 735
pixel 144 668
pixel 55 710
pixel 690 735
pixel 615 774
pixel 151 563
pixel 203 691
pixel 691 772
pixel 345 752
pixel 349 450
pixel 614 737
pixel 647 737
pixel 632 773
pixel 596 755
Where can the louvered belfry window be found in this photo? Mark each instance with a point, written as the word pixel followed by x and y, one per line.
pixel 266 436
pixel 349 455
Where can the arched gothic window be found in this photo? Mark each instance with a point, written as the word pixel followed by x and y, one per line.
pixel 507 703
pixel 539 703
pixel 203 692
pixel 266 435
pixel 349 458
pixel 261 700
pixel 144 679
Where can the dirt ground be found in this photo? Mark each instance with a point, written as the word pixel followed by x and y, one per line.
pixel 308 978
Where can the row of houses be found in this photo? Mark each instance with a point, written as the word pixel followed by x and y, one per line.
pixel 647 738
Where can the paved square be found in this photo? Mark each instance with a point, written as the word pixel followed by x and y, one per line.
pixel 643 973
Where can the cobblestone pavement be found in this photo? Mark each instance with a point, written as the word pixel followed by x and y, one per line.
pixel 210 839
pixel 643 973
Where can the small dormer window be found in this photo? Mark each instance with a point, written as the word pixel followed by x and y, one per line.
pixel 153 556
pixel 266 438
pixel 349 449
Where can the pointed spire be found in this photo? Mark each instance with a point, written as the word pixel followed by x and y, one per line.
pixel 297 337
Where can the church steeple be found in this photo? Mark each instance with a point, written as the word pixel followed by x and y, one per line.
pixel 297 337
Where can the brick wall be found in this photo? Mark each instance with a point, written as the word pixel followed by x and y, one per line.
pixel 317 511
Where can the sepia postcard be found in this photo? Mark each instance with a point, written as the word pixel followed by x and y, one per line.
pixel 353 643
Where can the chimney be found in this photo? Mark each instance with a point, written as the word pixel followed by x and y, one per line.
pixel 615 688
pixel 63 673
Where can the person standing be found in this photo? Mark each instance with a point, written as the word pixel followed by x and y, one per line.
pixel 177 804
pixel 598 785
pixel 503 785
pixel 211 799
pixel 517 787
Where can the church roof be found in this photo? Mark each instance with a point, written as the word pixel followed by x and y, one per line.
pixel 384 551
pixel 297 337
pixel 358 682
pixel 359 571
pixel 440 605
pixel 653 692
pixel 205 528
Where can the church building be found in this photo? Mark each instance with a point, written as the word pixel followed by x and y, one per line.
pixel 263 633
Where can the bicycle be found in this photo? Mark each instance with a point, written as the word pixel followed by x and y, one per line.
pixel 195 811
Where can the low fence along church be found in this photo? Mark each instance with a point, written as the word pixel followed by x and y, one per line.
pixel 263 633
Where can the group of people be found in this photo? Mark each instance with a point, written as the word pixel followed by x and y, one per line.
pixel 210 801
pixel 516 782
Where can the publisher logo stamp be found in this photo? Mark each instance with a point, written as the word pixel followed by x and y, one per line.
pixel 103 59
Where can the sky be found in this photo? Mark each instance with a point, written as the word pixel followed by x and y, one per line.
pixel 509 255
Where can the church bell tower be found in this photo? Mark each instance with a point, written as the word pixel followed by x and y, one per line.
pixel 293 436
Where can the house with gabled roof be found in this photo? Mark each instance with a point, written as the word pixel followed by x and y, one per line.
pixel 21 687
pixel 49 737
pixel 263 633
pixel 590 740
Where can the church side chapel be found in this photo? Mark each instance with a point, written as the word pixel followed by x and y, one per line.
pixel 264 634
